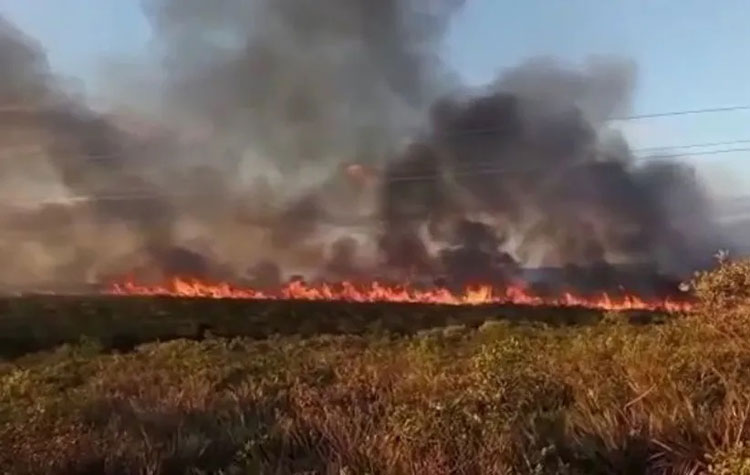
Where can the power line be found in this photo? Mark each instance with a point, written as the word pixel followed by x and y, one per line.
pixel 95 157
pixel 499 171
pixel 644 157
pixel 682 112
pixel 403 178
pixel 393 179
pixel 464 172
pixel 694 145
pixel 695 154
pixel 489 130
pixel 8 108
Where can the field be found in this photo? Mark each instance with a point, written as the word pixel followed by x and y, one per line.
pixel 112 385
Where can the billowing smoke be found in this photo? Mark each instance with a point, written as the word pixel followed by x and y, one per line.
pixel 327 138
pixel 54 150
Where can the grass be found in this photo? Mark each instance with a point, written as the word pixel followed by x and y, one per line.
pixel 498 397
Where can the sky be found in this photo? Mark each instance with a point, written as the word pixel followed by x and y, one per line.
pixel 690 54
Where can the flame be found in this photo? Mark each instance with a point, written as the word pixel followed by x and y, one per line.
pixel 378 292
pixel 360 174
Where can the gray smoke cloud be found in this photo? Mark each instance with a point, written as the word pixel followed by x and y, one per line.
pixel 528 172
pixel 53 148
pixel 327 138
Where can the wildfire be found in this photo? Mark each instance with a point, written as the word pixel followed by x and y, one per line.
pixel 377 292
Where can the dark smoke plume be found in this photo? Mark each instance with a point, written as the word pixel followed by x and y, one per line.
pixel 521 170
pixel 327 138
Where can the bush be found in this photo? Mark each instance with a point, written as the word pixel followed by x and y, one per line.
pixel 724 294
pixel 735 461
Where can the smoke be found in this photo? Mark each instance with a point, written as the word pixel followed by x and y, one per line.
pixel 328 139
pixel 307 84
pixel 53 148
pixel 528 170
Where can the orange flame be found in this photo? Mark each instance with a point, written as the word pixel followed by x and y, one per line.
pixel 377 292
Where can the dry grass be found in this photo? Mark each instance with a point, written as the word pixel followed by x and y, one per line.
pixel 607 398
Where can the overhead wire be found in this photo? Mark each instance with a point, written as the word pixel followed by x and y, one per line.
pixel 693 145
pixel 464 172
pixel 708 110
pixel 469 171
pixel 482 130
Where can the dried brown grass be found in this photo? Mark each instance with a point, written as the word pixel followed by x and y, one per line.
pixel 609 398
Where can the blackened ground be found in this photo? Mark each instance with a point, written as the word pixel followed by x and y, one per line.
pixel 38 322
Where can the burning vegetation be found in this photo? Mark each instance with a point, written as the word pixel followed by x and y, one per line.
pixel 331 142
pixel 377 292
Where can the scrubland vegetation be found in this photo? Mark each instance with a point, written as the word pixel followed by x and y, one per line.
pixel 503 397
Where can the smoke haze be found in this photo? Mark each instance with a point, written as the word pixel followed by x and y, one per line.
pixel 328 139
